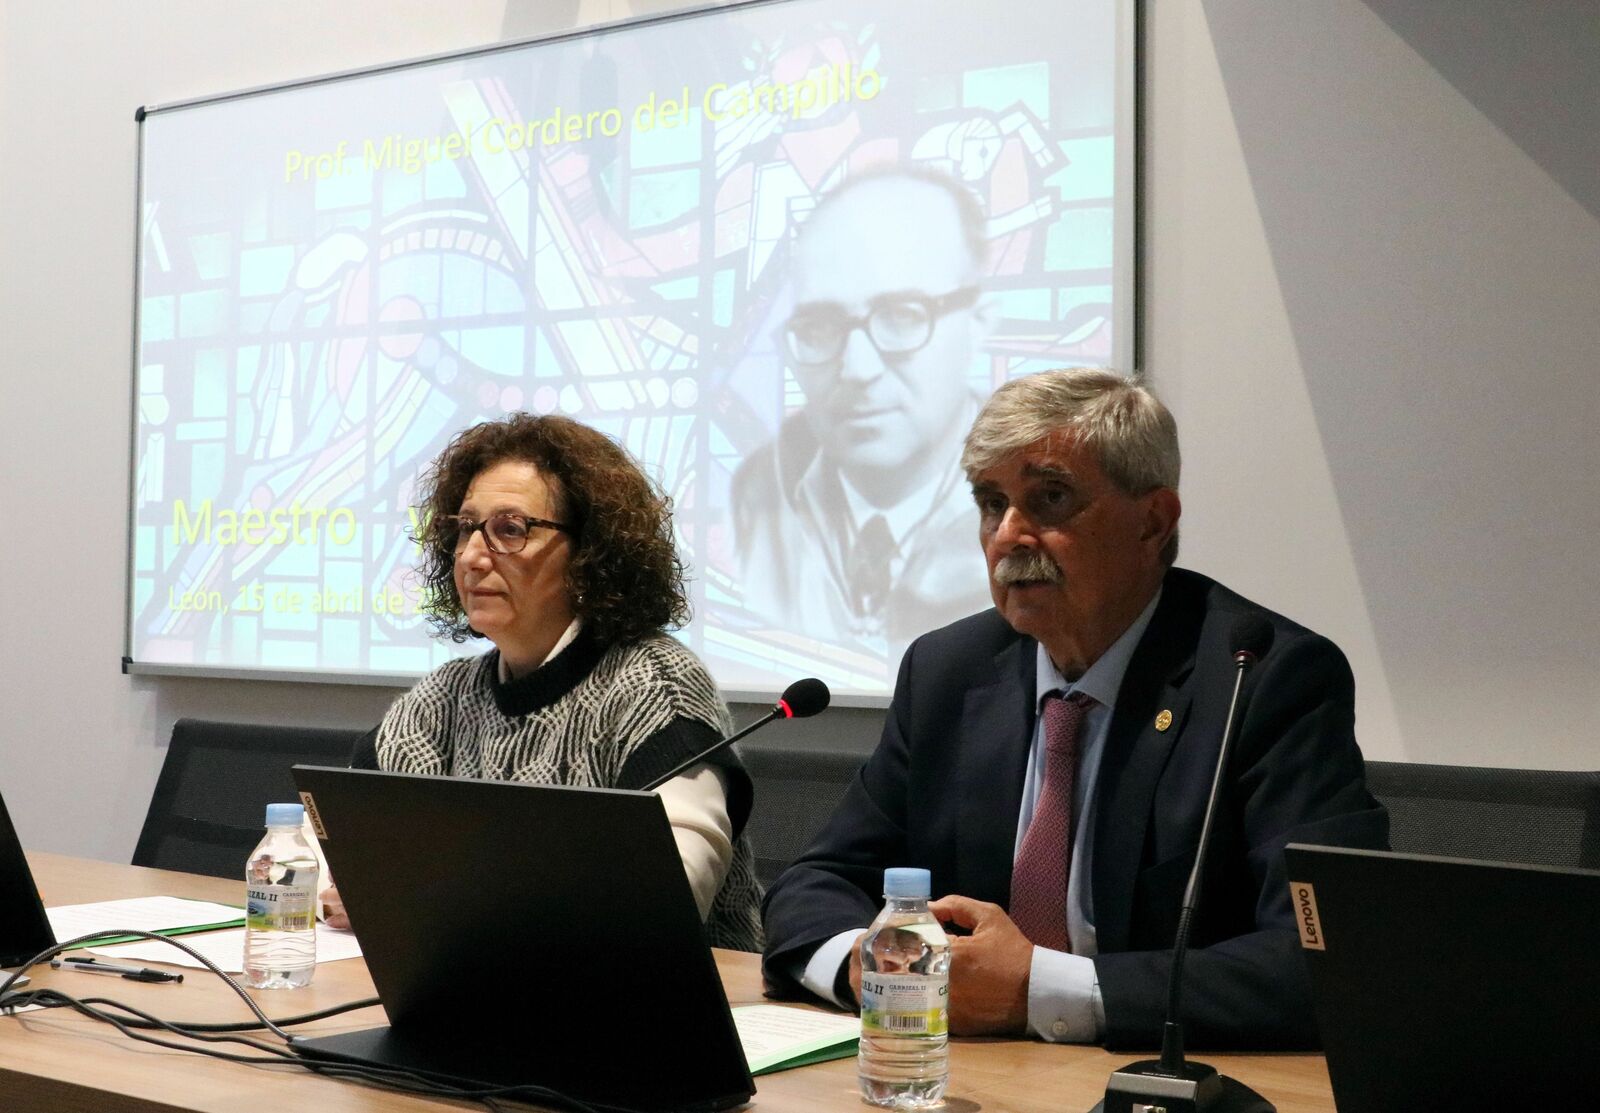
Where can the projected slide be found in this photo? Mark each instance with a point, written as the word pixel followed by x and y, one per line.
pixel 780 252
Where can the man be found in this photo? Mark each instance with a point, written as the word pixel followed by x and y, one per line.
pixel 850 524
pixel 1049 760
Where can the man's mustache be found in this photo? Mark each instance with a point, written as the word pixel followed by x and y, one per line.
pixel 1026 566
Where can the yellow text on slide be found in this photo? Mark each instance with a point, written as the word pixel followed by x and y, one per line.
pixel 294 523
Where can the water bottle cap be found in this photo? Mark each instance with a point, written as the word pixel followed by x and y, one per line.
pixel 905 881
pixel 285 815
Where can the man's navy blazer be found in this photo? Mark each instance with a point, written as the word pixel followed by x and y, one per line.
pixel 943 791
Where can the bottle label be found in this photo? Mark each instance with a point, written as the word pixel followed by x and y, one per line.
pixel 904 1004
pixel 280 908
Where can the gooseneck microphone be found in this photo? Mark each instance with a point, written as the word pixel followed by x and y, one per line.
pixel 1170 1083
pixel 800 700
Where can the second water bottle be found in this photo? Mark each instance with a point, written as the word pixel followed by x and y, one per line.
pixel 904 1061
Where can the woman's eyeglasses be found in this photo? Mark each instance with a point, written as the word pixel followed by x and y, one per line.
pixel 504 533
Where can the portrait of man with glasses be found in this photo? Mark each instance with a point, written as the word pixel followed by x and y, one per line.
pixel 854 525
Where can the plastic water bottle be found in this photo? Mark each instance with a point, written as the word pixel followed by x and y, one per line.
pixel 904 1061
pixel 280 928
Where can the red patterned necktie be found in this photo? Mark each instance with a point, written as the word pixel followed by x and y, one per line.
pixel 1039 877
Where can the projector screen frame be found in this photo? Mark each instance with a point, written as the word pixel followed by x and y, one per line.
pixel 1127 284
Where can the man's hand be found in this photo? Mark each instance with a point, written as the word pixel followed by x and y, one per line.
pixel 855 970
pixel 988 969
pixel 333 913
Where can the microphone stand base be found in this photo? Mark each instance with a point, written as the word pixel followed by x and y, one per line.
pixel 1144 1087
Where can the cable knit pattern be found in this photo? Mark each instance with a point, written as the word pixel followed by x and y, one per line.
pixel 575 721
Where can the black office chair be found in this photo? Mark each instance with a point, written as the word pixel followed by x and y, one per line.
pixel 796 790
pixel 206 813
pixel 1530 816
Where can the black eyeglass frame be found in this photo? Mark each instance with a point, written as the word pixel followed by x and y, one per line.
pixel 937 307
pixel 464 531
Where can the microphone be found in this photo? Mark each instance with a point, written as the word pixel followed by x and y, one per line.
pixel 800 700
pixel 1170 1082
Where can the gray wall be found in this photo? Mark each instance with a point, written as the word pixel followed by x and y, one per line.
pixel 1372 297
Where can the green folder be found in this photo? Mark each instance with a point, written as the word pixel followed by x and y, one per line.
pixel 186 929
pixel 820 1055
pixel 189 930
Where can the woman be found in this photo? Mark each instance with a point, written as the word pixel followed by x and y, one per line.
pixel 543 536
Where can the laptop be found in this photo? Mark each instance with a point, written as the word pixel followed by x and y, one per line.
pixel 24 929
pixel 524 935
pixel 1449 983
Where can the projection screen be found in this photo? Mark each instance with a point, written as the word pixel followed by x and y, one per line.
pixel 780 251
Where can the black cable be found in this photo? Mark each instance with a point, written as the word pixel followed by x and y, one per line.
pixel 394 1078
pixel 248 1026
pixel 50 952
pixel 51 999
pixel 68 1001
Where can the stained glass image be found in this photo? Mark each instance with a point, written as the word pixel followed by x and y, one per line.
pixel 779 252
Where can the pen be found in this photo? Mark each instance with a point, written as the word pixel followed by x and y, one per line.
pixel 132 973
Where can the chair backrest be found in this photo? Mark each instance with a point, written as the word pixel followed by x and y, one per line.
pixel 796 790
pixel 1531 816
pixel 206 813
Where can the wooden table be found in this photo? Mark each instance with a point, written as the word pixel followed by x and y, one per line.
pixel 59 1062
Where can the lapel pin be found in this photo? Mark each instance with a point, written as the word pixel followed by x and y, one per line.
pixel 1163 720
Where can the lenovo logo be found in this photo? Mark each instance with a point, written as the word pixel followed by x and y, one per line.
pixel 1305 915
pixel 311 814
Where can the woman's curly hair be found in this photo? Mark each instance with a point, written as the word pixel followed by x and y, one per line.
pixel 624 578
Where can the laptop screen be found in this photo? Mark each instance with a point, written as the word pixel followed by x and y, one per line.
pixel 1448 983
pixel 530 934
pixel 24 930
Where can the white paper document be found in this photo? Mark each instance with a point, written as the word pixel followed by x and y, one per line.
pixel 69 921
pixel 226 949
pixel 775 1037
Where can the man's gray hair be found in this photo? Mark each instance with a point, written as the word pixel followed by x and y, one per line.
pixel 1133 436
